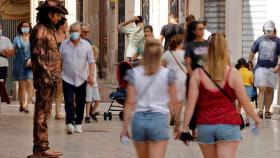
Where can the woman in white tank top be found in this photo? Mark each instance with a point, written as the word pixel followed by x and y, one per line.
pixel 151 89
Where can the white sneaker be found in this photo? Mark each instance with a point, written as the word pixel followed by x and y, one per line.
pixel 70 128
pixel 78 129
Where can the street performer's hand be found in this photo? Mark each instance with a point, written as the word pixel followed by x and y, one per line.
pixel 90 79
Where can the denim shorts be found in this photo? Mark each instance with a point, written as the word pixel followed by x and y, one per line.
pixel 249 91
pixel 150 126
pixel 211 134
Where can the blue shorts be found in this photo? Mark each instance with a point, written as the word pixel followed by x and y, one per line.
pixel 211 134
pixel 249 91
pixel 150 126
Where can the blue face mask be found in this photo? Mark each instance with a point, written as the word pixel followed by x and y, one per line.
pixel 74 35
pixel 25 30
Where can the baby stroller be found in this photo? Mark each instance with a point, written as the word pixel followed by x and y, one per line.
pixel 120 94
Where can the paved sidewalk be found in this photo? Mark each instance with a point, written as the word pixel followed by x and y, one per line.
pixel 101 140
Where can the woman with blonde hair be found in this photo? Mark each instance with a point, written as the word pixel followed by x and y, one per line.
pixel 151 88
pixel 214 88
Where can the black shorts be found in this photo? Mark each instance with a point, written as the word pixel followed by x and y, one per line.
pixel 3 73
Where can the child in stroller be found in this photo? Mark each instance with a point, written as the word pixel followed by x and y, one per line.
pixel 120 94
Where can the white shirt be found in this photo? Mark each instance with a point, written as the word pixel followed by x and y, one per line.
pixel 172 64
pixel 181 75
pixel 156 98
pixel 207 34
pixel 135 39
pixel 75 61
pixel 5 43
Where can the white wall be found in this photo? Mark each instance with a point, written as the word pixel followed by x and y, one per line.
pixel 132 8
pixel 158 15
pixel 234 28
pixel 274 12
pixel 196 8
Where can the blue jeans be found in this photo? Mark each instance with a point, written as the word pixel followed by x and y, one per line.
pixel 150 126
pixel 211 134
pixel 69 92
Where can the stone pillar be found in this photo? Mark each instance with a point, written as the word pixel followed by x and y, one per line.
pixel 196 7
pixel 234 28
pixel 276 108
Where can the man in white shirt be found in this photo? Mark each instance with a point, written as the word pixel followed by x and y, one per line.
pixel 135 36
pixel 6 50
pixel 77 57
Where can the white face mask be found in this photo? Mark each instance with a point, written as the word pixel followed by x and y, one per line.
pixel 1 32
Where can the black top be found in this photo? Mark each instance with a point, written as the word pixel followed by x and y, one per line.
pixel 169 31
pixel 197 51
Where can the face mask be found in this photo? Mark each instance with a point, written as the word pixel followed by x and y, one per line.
pixel 1 32
pixel 74 35
pixel 25 30
pixel 269 33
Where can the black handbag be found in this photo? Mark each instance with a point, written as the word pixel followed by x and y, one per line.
pixel 242 126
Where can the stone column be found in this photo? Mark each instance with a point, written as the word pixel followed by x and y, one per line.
pixel 234 28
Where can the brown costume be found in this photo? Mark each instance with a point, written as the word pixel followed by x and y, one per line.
pixel 46 66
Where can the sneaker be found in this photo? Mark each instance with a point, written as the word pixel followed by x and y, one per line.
pixel 70 128
pixel 87 120
pixel 78 129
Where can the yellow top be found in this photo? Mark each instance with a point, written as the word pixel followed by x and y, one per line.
pixel 247 76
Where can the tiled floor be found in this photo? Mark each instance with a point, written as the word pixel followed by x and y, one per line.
pixel 101 140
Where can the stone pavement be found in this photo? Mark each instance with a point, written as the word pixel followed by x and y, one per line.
pixel 101 140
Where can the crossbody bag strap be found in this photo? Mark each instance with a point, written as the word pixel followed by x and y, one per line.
pixel 219 87
pixel 178 62
pixel 148 85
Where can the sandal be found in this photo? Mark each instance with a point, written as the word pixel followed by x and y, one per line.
pixel 58 117
pixel 261 114
pixel 267 115
pixel 26 111
pixel 93 116
pixel 21 109
pixel 47 154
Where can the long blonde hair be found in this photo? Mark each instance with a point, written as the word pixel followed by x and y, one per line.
pixel 218 56
pixel 152 56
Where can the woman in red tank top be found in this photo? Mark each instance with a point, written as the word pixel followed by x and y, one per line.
pixel 218 122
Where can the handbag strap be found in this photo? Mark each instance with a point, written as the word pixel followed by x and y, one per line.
pixel 178 62
pixel 219 87
pixel 141 94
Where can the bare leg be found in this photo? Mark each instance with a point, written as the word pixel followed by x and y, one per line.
pixel 268 99
pixel 58 100
pixel 157 149
pixel 209 150
pixel 88 108
pixel 21 93
pixel 142 149
pixel 96 105
pixel 227 149
pixel 29 90
pixel 260 100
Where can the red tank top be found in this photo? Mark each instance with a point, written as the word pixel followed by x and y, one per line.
pixel 214 107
